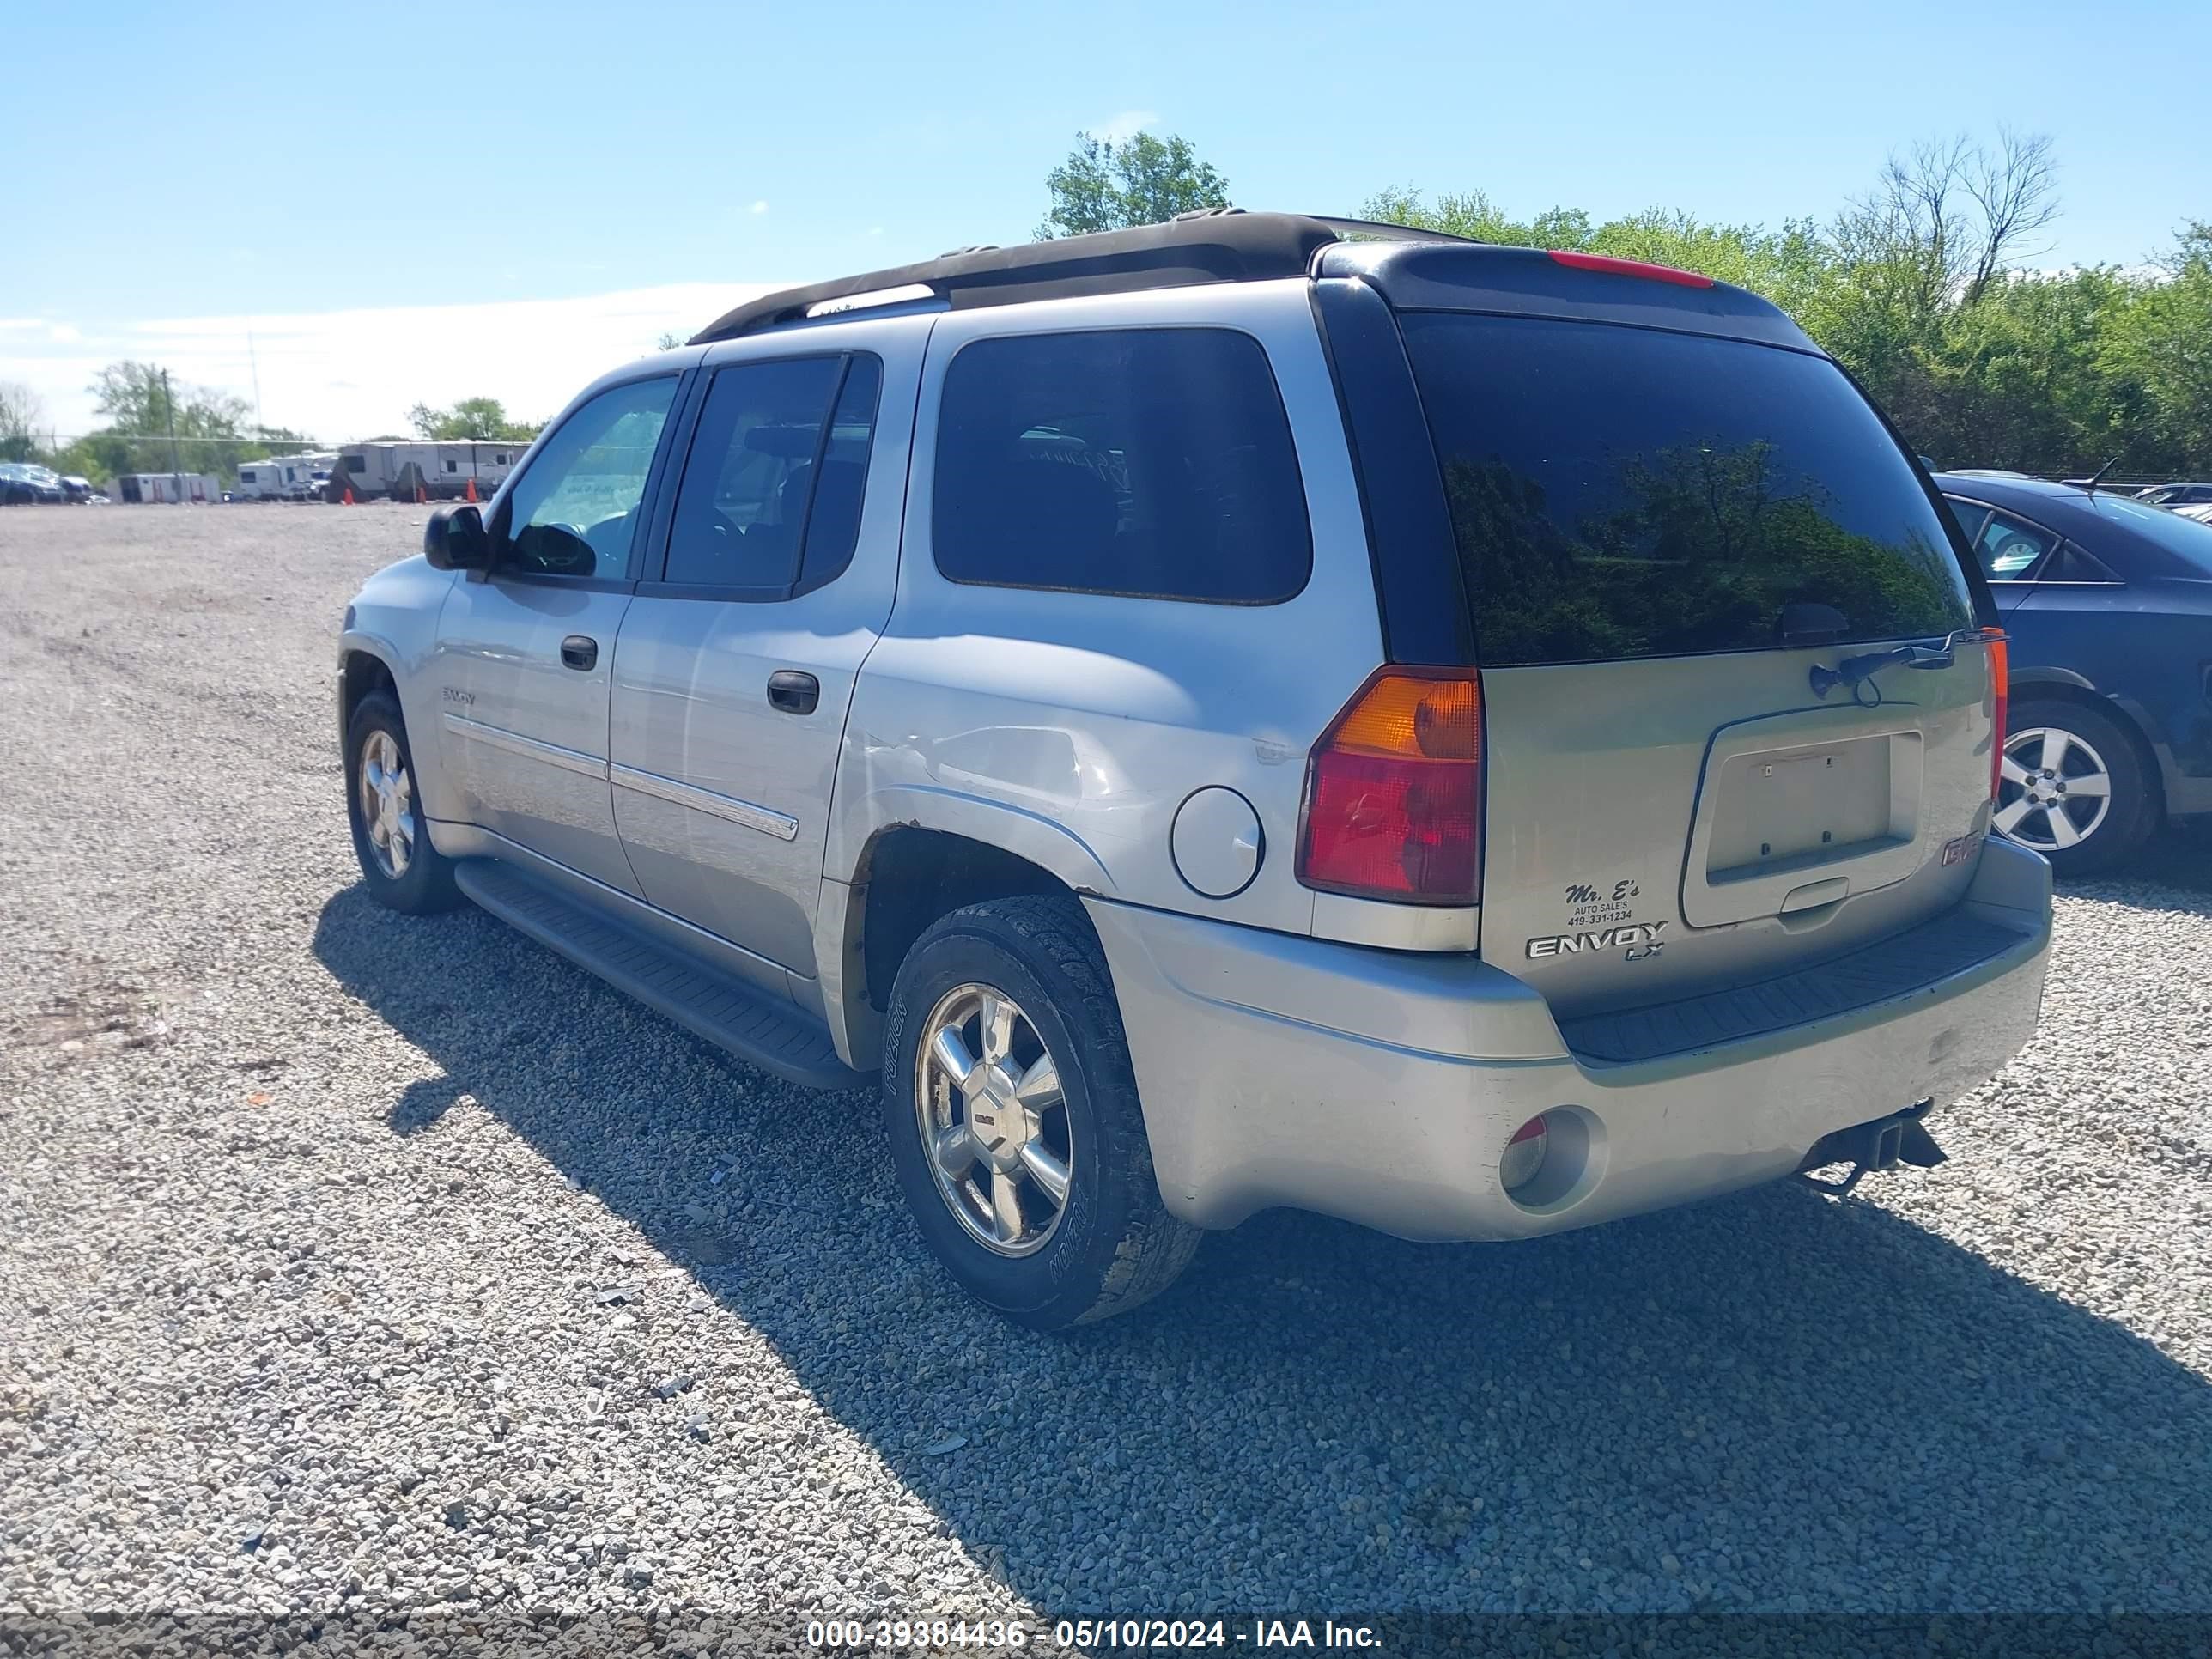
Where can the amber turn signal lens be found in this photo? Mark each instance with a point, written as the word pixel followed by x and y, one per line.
pixel 1393 791
pixel 1399 713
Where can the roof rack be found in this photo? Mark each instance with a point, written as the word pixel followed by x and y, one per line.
pixel 1210 245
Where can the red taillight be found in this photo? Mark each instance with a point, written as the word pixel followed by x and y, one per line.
pixel 1394 791
pixel 1630 268
pixel 2001 690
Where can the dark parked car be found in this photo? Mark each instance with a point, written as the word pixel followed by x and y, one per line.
pixel 2109 604
pixel 22 484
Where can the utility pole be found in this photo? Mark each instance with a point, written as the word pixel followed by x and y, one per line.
pixel 176 466
pixel 253 359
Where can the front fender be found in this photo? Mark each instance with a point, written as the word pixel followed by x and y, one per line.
pixel 394 621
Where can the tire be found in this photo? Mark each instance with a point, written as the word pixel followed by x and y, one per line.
pixel 2081 743
pixel 1109 1244
pixel 421 881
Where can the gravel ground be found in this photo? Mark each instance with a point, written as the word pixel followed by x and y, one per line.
pixel 354 1259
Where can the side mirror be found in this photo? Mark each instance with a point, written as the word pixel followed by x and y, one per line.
pixel 455 539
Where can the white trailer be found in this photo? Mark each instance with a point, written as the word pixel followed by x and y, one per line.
pixel 281 477
pixel 447 463
pixel 151 487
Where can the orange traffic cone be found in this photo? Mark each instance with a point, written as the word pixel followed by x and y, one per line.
pixel 473 490
pixel 349 495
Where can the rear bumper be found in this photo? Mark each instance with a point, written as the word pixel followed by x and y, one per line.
pixel 1381 1086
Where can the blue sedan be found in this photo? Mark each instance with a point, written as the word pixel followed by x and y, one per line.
pixel 2108 601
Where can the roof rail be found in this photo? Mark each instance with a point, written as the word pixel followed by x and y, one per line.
pixel 1205 245
pixel 1212 246
pixel 1382 230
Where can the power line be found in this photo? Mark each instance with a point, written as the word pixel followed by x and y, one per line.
pixel 63 439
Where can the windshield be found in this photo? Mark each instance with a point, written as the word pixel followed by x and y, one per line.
pixel 2187 539
pixel 1628 492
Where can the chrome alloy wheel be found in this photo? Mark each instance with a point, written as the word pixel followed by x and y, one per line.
pixel 387 805
pixel 2057 791
pixel 994 1127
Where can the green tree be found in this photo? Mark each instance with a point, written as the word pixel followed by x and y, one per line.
pixel 139 397
pixel 2160 349
pixel 1475 216
pixel 472 417
pixel 143 404
pixel 1140 180
pixel 20 414
pixel 1924 287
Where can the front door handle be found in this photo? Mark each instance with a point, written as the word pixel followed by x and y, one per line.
pixel 580 651
pixel 793 691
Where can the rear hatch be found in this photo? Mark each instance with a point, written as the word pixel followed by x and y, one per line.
pixel 1688 557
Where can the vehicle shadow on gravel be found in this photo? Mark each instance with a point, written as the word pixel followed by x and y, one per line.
pixel 1772 1402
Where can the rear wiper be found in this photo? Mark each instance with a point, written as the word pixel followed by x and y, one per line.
pixel 1853 672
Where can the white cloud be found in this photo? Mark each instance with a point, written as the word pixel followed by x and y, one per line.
pixel 21 325
pixel 1126 125
pixel 760 207
pixel 63 334
pixel 342 375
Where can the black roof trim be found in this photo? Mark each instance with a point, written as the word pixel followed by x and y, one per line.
pixel 1219 247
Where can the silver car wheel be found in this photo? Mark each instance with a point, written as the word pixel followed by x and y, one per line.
pixel 995 1126
pixel 2055 792
pixel 387 805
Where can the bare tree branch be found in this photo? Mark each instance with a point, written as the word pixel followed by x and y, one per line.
pixel 2017 191
pixel 22 415
pixel 1948 217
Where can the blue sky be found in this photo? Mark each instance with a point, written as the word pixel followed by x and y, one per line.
pixel 369 188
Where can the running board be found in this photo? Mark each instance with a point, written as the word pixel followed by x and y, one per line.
pixel 726 1011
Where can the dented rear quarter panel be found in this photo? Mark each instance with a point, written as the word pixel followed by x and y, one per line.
pixel 1069 728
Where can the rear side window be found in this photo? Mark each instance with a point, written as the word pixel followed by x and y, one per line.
pixel 771 493
pixel 1621 492
pixel 1151 463
pixel 2009 548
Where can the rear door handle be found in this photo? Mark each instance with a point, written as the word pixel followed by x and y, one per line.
pixel 580 651
pixel 793 691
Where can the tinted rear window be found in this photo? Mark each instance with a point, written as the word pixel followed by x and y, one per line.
pixel 1621 492
pixel 1155 463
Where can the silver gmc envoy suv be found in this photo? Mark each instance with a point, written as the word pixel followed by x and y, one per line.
pixel 1244 712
